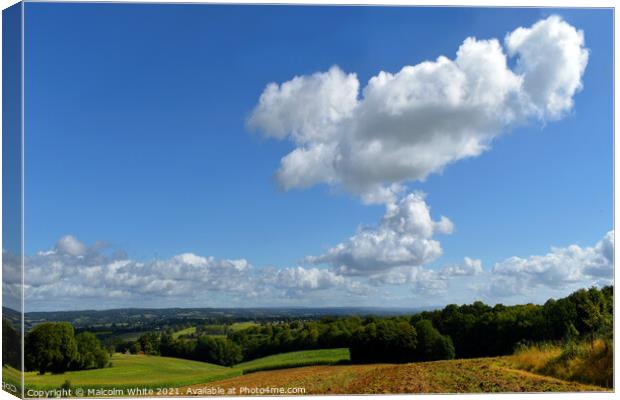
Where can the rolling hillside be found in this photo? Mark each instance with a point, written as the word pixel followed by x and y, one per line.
pixel 154 371
pixel 135 370
pixel 496 374
pixel 454 376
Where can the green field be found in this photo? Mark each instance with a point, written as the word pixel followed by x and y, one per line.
pixel 10 374
pixel 237 326
pixel 296 359
pixel 13 379
pixel 136 370
pixel 130 371
pixel 187 331
pixel 131 335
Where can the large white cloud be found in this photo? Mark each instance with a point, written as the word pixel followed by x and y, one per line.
pixel 551 59
pixel 409 124
pixel 403 238
pixel 562 267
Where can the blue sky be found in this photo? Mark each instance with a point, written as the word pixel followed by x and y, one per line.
pixel 136 136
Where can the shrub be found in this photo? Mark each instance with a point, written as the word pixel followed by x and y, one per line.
pixel 586 362
pixel 534 357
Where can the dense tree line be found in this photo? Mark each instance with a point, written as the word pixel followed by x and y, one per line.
pixel 54 347
pixel 212 349
pixel 272 338
pixel 384 340
pixel 479 330
pixel 474 330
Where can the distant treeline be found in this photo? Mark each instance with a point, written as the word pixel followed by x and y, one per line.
pixel 207 348
pixel 475 330
pixel 107 323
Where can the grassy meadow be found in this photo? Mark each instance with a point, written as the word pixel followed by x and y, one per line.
pixel 183 332
pixel 135 370
pixel 13 380
pixel 238 326
pixel 154 371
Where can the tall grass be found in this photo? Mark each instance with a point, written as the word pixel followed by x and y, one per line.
pixel 586 362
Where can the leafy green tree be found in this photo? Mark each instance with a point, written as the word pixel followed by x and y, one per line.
pixel 218 350
pixel 91 353
pixel 386 340
pixel 149 343
pixel 102 358
pixel 432 345
pixel 50 347
pixel 135 348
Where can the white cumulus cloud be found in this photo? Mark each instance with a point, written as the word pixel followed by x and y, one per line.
pixel 561 267
pixel 551 58
pixel 406 125
pixel 305 278
pixel 73 273
pixel 70 245
pixel 468 267
pixel 403 238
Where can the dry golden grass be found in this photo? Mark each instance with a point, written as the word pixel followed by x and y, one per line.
pixel 535 358
pixel 590 363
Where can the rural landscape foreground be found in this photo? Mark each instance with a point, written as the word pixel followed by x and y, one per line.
pixel 564 345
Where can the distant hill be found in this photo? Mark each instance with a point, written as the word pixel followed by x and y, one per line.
pixel 14 316
pixel 152 317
